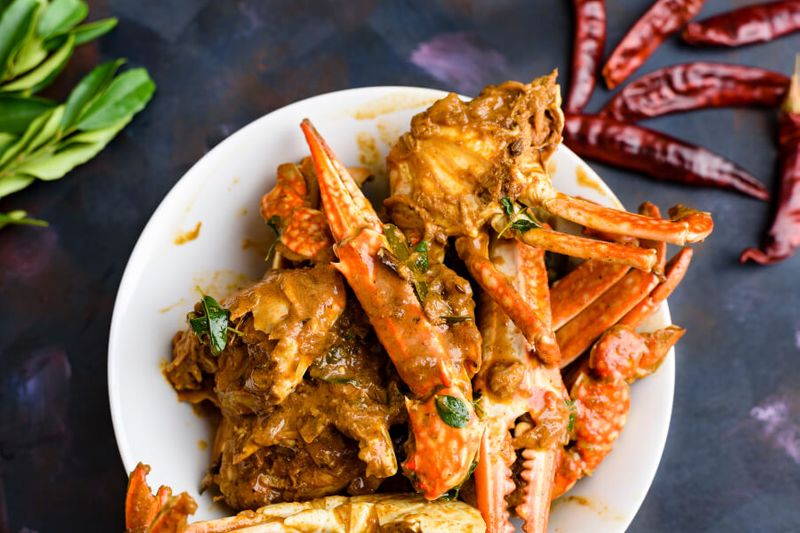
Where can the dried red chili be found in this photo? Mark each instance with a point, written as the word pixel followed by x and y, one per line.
pixel 587 51
pixel 664 18
pixel 783 237
pixel 655 154
pixel 750 24
pixel 696 86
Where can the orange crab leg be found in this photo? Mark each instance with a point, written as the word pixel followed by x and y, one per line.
pixel 583 285
pixel 687 225
pixel 675 270
pixel 475 254
pixel 583 248
pixel 580 332
pixel 441 454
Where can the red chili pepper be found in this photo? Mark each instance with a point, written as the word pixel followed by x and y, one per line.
pixel 696 86
pixel 655 154
pixel 750 24
pixel 664 18
pixel 587 51
pixel 783 238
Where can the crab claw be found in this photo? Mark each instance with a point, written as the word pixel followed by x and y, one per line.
pixel 157 513
pixel 441 413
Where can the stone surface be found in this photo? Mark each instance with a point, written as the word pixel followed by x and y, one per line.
pixel 732 460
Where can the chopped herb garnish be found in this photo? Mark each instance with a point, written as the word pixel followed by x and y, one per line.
pixel 455 319
pixel 508 205
pixel 573 415
pixel 421 290
pixel 523 224
pixel 211 324
pixel 422 256
pixel 453 411
pixel 274 223
pixel 397 242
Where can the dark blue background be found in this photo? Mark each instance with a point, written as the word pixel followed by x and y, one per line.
pixel 732 461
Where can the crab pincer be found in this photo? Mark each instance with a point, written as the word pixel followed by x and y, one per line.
pixel 515 382
pixel 445 429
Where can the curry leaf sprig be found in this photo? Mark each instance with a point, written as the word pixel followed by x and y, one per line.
pixel 519 218
pixel 37 39
pixel 41 139
pixel 211 324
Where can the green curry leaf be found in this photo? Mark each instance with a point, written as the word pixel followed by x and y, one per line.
pixel 211 324
pixel 453 411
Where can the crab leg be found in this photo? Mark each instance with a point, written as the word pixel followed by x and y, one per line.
pixel 157 513
pixel 513 382
pixel 686 225
pixel 583 248
pixel 588 281
pixel 442 452
pixel 601 393
pixel 580 332
pixel 475 253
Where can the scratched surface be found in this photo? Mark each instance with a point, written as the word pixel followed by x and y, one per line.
pixel 732 460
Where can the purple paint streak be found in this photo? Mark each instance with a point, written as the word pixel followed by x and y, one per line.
pixel 779 423
pixel 461 61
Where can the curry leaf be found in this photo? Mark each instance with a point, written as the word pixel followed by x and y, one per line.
pixel 45 73
pixel 48 130
pixel 91 31
pixel 88 89
pixel 422 256
pixel 126 95
pixel 16 112
pixel 397 242
pixel 51 165
pixel 19 217
pixel 421 290
pixel 573 415
pixel 211 325
pixel 508 205
pixel 525 224
pixel 31 54
pixel 455 319
pixel 61 16
pixel 14 183
pixel 15 22
pixel 453 411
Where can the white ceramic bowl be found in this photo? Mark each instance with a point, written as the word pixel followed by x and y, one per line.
pixel 222 191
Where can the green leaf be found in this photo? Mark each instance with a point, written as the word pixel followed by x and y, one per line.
pixel 525 224
pixel 15 22
pixel 49 129
pixel 455 319
pixel 573 415
pixel 61 16
pixel 126 95
pixel 13 183
pixel 31 54
pixel 211 325
pixel 20 145
pixel 508 205
pixel 6 140
pixel 421 289
pixel 453 411
pixel 19 217
pixel 16 113
pixel 52 165
pixel 421 262
pixel 45 73
pixel 87 90
pixel 397 242
pixel 91 31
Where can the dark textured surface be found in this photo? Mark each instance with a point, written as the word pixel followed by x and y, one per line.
pixel 732 460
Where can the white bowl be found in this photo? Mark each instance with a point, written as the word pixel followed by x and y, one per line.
pixel 222 191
